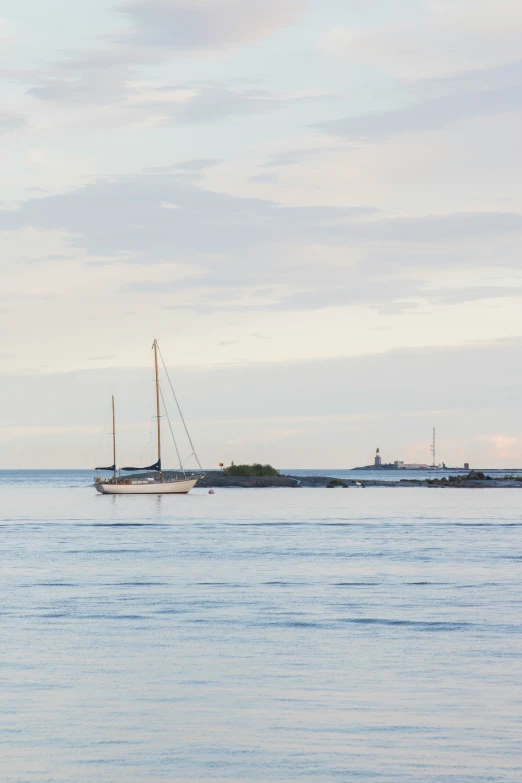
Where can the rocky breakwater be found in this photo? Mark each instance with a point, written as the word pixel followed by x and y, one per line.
pixel 215 479
pixel 476 480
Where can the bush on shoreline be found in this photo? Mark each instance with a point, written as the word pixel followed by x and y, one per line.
pixel 251 470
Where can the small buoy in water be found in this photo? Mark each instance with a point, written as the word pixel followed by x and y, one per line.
pixel 211 492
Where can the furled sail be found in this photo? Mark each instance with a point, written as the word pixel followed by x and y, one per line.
pixel 112 468
pixel 156 466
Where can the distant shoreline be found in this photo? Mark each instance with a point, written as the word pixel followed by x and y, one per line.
pixel 409 469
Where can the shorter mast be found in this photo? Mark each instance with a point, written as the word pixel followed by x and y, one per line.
pixel 113 437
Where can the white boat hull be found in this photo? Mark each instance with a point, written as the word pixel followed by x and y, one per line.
pixel 181 487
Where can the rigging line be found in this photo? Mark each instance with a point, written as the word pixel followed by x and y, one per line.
pixel 171 431
pixel 103 434
pixel 179 410
pixel 150 452
pixel 153 421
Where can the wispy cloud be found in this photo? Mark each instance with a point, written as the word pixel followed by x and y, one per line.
pixel 447 38
pixel 428 115
pixel 158 32
pixel 255 253
pixel 203 25
pixel 12 121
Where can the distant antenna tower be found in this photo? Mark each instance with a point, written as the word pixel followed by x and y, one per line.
pixel 434 448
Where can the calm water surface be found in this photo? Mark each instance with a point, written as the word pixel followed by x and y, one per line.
pixel 259 635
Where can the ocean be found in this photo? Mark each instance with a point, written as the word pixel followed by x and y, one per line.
pixel 259 635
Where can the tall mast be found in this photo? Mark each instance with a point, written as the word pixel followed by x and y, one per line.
pixel 433 447
pixel 157 400
pixel 113 437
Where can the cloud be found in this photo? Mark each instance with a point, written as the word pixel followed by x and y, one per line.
pixel 429 229
pixel 265 179
pixel 434 114
pixel 399 380
pixel 387 295
pixel 450 37
pixel 471 81
pixel 221 252
pixel 472 294
pixel 125 216
pixel 92 85
pixel 12 121
pixel 192 171
pixel 158 32
pixel 473 255
pixel 348 288
pixel 205 25
pixel 393 295
pixel 293 157
pixel 127 101
pixel 506 446
pixel 208 102
pixel 440 103
pixel 196 165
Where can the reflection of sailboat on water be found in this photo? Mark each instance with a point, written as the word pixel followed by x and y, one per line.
pixel 160 484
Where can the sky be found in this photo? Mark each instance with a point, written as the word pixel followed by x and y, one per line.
pixel 314 205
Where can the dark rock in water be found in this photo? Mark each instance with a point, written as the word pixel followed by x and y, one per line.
pixel 248 482
pixel 336 483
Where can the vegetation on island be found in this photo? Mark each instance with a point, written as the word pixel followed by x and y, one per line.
pixel 251 470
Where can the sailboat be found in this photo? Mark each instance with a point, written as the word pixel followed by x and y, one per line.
pixel 158 485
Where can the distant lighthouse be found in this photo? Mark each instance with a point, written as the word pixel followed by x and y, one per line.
pixel 378 460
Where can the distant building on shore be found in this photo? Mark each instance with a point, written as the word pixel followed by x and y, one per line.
pixel 411 466
pixel 378 464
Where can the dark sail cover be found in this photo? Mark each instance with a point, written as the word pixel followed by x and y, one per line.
pixel 112 468
pixel 157 467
